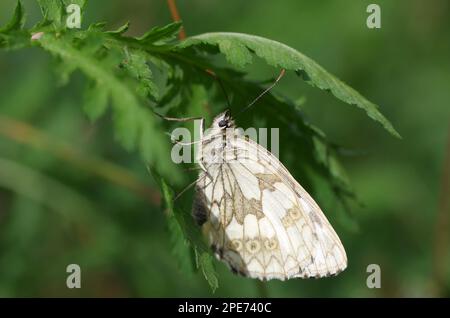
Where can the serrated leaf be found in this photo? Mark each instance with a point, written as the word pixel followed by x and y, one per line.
pixel 63 71
pixel 338 172
pixel 180 248
pixel 12 36
pixel 126 117
pixel 204 260
pixel 55 10
pixel 191 230
pixel 17 21
pixel 237 48
pixel 14 40
pixel 318 151
pixel 159 34
pixel 52 10
pixel 136 64
pixel 97 27
pixel 149 146
pixel 124 101
pixel 124 28
pixel 95 101
pixel 133 123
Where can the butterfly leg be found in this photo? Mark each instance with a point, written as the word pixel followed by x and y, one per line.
pixel 190 186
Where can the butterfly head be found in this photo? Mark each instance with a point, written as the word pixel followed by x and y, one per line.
pixel 223 121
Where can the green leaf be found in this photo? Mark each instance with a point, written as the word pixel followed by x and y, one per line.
pixel 63 71
pixel 97 27
pixel 136 64
pixel 238 47
pixel 205 263
pixel 180 247
pixel 95 101
pixel 124 28
pixel 12 36
pixel 52 10
pixel 17 21
pixel 14 40
pixel 55 10
pixel 159 34
pixel 204 260
pixel 134 124
pixel 153 144
pixel 319 153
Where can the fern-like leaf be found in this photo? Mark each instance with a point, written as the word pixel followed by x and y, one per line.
pixel 238 49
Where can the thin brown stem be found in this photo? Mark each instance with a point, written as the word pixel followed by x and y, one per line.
pixel 441 239
pixel 26 134
pixel 176 17
pixel 182 35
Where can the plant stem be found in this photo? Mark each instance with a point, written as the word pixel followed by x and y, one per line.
pixel 176 17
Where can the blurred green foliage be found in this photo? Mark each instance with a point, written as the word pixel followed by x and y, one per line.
pixel 70 194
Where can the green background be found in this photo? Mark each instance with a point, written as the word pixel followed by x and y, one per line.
pixel 56 209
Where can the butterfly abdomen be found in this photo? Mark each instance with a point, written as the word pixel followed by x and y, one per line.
pixel 199 209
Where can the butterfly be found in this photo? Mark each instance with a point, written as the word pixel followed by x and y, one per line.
pixel 256 217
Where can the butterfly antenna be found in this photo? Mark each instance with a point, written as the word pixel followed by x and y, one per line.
pixel 175 118
pixel 283 71
pixel 222 87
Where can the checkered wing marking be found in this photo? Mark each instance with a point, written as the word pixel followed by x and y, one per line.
pixel 261 222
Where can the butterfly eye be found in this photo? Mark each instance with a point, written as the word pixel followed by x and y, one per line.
pixel 223 123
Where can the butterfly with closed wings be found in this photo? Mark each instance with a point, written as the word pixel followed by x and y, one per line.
pixel 257 218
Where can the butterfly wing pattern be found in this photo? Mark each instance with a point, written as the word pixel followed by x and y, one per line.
pixel 257 218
